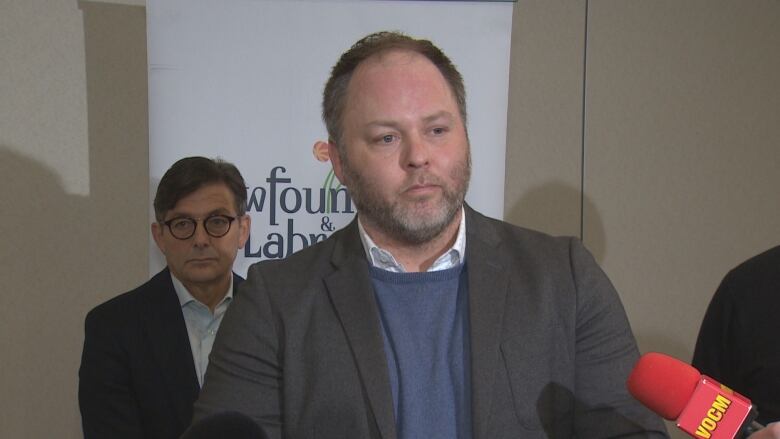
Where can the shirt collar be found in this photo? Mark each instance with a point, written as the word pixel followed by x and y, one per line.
pixel 185 297
pixel 381 258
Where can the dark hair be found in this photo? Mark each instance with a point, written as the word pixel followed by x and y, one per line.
pixel 335 91
pixel 190 174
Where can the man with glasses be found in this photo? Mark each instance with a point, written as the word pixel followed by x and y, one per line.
pixel 146 351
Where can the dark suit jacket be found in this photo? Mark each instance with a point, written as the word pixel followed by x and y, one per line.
pixel 302 352
pixel 137 378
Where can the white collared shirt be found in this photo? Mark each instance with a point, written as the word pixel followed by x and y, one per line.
pixel 202 324
pixel 381 258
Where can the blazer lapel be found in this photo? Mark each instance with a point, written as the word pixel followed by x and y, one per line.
pixel 488 284
pixel 167 337
pixel 350 289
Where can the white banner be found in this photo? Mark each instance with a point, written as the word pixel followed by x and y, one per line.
pixel 243 79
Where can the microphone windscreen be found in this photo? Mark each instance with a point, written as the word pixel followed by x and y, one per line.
pixel 663 384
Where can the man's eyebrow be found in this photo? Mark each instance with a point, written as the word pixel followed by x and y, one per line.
pixel 217 211
pixel 439 115
pixel 382 123
pixel 427 119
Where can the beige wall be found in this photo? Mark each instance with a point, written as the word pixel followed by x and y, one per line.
pixel 681 146
pixel 681 160
pixel 683 152
pixel 74 194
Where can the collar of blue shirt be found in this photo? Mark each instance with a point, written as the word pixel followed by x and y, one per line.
pixel 381 258
pixel 185 297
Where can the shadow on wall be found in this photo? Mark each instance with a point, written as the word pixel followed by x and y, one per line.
pixel 554 208
pixel 44 267
pixel 63 254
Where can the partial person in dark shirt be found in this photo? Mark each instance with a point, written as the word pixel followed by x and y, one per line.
pixel 738 342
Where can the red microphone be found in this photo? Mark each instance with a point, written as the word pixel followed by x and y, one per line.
pixel 702 407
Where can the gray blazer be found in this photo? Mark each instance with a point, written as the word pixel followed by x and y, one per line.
pixel 301 350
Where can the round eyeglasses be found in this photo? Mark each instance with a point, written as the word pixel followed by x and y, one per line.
pixel 216 226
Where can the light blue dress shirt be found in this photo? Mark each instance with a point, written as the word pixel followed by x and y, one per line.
pixel 202 324
pixel 381 258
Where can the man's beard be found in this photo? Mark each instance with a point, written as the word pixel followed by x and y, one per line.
pixel 403 220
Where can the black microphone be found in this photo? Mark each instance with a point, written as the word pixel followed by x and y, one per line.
pixel 232 425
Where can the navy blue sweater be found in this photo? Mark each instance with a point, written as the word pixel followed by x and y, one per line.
pixel 424 320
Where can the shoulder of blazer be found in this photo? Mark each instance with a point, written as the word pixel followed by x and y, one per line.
pixel 493 235
pixel 237 281
pixel 129 302
pixel 323 257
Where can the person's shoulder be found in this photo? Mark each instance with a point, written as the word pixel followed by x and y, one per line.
pixel 765 262
pixel 308 258
pixel 757 276
pixel 299 271
pixel 117 309
pixel 517 237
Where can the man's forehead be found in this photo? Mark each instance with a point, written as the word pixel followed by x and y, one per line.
pixel 399 59
pixel 379 78
pixel 393 56
pixel 394 67
pixel 207 199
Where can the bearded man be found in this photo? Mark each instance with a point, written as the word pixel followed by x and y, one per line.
pixel 422 318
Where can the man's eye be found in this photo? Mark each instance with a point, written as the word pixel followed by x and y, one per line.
pixel 439 130
pixel 388 138
pixel 217 221
pixel 181 224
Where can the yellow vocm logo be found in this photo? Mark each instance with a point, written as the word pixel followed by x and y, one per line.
pixel 714 415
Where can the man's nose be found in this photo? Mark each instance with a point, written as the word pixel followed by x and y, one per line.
pixel 201 238
pixel 417 152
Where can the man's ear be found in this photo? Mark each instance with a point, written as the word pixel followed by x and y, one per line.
pixel 335 160
pixel 157 232
pixel 244 227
